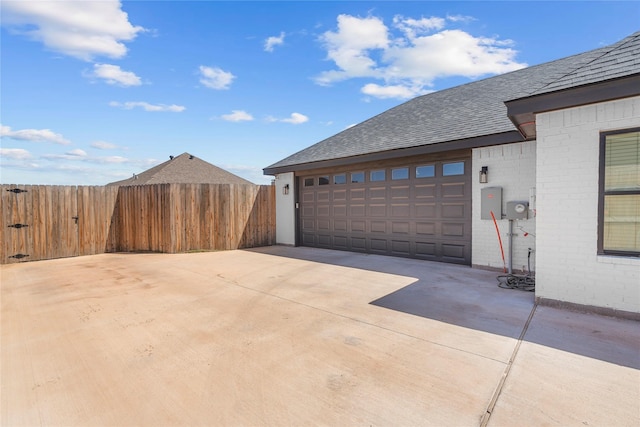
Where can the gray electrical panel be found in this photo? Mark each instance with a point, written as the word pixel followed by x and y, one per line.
pixel 491 202
pixel 517 210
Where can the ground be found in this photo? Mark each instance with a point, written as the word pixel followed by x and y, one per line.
pixel 301 336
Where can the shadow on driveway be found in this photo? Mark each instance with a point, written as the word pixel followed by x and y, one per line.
pixel 470 298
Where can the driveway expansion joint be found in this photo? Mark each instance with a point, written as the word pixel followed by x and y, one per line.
pixel 496 394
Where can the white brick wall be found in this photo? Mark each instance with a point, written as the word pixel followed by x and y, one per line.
pixel 568 267
pixel 512 167
pixel 285 210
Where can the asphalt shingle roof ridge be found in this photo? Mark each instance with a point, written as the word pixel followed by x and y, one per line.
pixel 606 51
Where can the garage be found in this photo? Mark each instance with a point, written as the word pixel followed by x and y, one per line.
pixel 416 208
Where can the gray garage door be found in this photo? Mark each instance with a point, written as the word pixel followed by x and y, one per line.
pixel 414 210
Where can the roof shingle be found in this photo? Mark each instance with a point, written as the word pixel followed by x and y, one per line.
pixel 184 169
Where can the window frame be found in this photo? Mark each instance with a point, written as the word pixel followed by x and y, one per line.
pixel 602 193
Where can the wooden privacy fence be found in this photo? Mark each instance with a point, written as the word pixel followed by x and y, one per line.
pixel 44 222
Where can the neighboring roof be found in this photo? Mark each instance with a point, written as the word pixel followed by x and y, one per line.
pixel 466 116
pixel 183 169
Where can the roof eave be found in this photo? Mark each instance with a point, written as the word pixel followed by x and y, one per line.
pixel 522 111
pixel 468 143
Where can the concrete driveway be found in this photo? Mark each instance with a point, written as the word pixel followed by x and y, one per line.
pixel 301 336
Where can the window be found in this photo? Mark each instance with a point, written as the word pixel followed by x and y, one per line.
pixel 357 177
pixel 450 169
pixel 378 175
pixel 323 180
pixel 426 171
pixel 400 173
pixel 308 182
pixel 619 193
pixel 340 179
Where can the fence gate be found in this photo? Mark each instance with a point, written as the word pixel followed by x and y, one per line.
pixel 38 222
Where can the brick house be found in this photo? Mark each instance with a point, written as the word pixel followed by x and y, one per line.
pixel 552 150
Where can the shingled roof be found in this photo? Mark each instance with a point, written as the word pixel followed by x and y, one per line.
pixel 466 116
pixel 183 169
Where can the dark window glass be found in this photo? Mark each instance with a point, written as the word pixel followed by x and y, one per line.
pixel 378 175
pixel 323 180
pixel 340 179
pixel 357 177
pixel 308 182
pixel 400 173
pixel 450 169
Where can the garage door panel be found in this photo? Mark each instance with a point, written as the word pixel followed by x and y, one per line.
pixel 357 194
pixel 425 191
pixel 324 240
pixel 426 228
pixel 357 210
pixel 453 210
pixel 308 225
pixel 323 225
pixel 379 227
pixel 340 242
pixel 358 226
pixel 400 210
pixel 453 251
pixel 455 189
pixel 426 248
pixel 378 210
pixel 340 225
pixel 358 243
pixel 378 193
pixel 379 245
pixel 322 211
pixel 453 229
pixel 400 227
pixel 400 192
pixel 339 210
pixel 426 210
pixel 340 195
pixel 401 247
pixel 322 196
pixel 308 197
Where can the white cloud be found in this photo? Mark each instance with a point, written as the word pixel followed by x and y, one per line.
pixel 215 78
pixel 15 153
pixel 237 116
pixel 460 18
pixel 349 47
pixel 391 91
pixel 103 145
pixel 82 29
pixel 114 75
pixel 33 135
pixel 148 107
pixel 411 55
pixel 414 27
pixel 273 41
pixel 77 153
pixel 295 118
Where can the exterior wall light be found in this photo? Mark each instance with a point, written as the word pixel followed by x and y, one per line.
pixel 484 175
pixel 285 189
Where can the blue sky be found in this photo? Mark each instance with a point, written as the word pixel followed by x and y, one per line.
pixel 92 92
